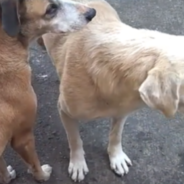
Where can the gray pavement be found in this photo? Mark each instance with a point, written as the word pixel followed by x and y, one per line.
pixel 154 143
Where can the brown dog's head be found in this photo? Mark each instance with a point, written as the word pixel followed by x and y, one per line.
pixel 33 18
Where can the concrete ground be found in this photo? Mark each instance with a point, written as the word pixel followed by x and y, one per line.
pixel 155 145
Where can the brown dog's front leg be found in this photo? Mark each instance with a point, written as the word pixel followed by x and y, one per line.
pixel 6 173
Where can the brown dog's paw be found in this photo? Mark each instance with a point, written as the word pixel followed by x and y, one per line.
pixel 11 175
pixel 44 174
pixel 47 170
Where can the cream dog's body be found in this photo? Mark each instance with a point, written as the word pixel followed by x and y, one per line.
pixel 110 69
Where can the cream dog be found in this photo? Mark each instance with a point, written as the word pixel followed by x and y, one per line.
pixel 109 69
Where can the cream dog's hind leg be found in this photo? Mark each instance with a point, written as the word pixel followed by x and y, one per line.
pixel 119 161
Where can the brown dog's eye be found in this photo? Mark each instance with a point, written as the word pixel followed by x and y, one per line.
pixel 51 10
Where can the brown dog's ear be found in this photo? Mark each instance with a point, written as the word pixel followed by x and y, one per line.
pixel 160 91
pixel 10 17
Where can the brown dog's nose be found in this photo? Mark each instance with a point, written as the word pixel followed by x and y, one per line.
pixel 90 14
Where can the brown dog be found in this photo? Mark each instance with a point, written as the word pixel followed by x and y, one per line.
pixel 109 69
pixel 20 22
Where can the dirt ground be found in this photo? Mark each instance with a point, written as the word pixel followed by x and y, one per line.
pixel 155 144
